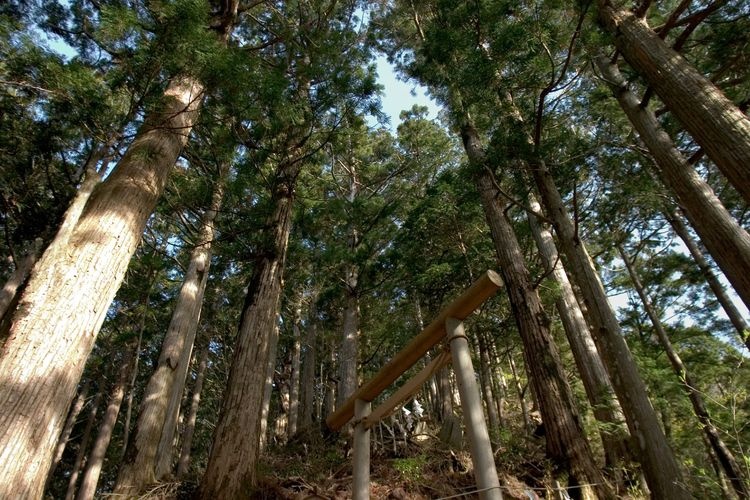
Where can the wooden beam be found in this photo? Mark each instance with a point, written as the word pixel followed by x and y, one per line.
pixel 406 390
pixel 482 289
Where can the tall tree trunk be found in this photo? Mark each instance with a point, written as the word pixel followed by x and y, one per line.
pixel 715 122
pixel 521 394
pixel 202 257
pixel 309 362
pixel 594 376
pixel 501 385
pixel 70 422
pixel 329 401
pixel 234 454
pixel 94 464
pixel 294 376
pixel 566 441
pixel 69 292
pixel 8 294
pixel 265 409
pixel 725 456
pixel 432 388
pixel 84 445
pixel 650 446
pixel 183 463
pixel 732 312
pixel 486 373
pixel 446 395
pixel 716 466
pixel 134 375
pixel 149 454
pixel 725 239
pixel 348 350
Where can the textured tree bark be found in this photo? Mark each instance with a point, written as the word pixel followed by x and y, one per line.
pixel 82 447
pixel 724 455
pixel 500 384
pixel 309 362
pixel 349 349
pixel 134 376
pixel 721 129
pixel 16 281
pixel 294 377
pixel 594 376
pixel 265 408
pixel 10 294
pixel 328 405
pixel 183 464
pixel 148 457
pixel 734 315
pixel 648 443
pixel 727 242
pixel 202 257
pixel 94 464
pixel 231 465
pixel 566 441
pixel 446 395
pixel 70 422
pixel 70 289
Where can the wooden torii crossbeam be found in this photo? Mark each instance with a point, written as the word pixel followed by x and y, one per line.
pixel 447 326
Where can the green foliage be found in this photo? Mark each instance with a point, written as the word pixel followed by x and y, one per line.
pixel 410 468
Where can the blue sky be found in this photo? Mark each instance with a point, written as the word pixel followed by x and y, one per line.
pixel 399 95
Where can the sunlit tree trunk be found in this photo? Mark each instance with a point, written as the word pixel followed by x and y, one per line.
pixel 9 295
pixel 149 454
pixel 727 242
pixel 83 447
pixel 715 122
pixel 235 450
pixel 594 376
pixel 724 455
pixel 309 362
pixel 328 405
pixel 349 350
pixel 69 292
pixel 566 441
pixel 294 376
pixel 265 409
pixel 95 461
pixel 192 308
pixel 134 375
pixel 183 463
pixel 651 447
pixel 70 422
pixel 735 317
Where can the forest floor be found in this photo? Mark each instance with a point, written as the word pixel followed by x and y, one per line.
pixel 422 467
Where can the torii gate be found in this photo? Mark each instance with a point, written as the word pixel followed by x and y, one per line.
pixel 448 326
